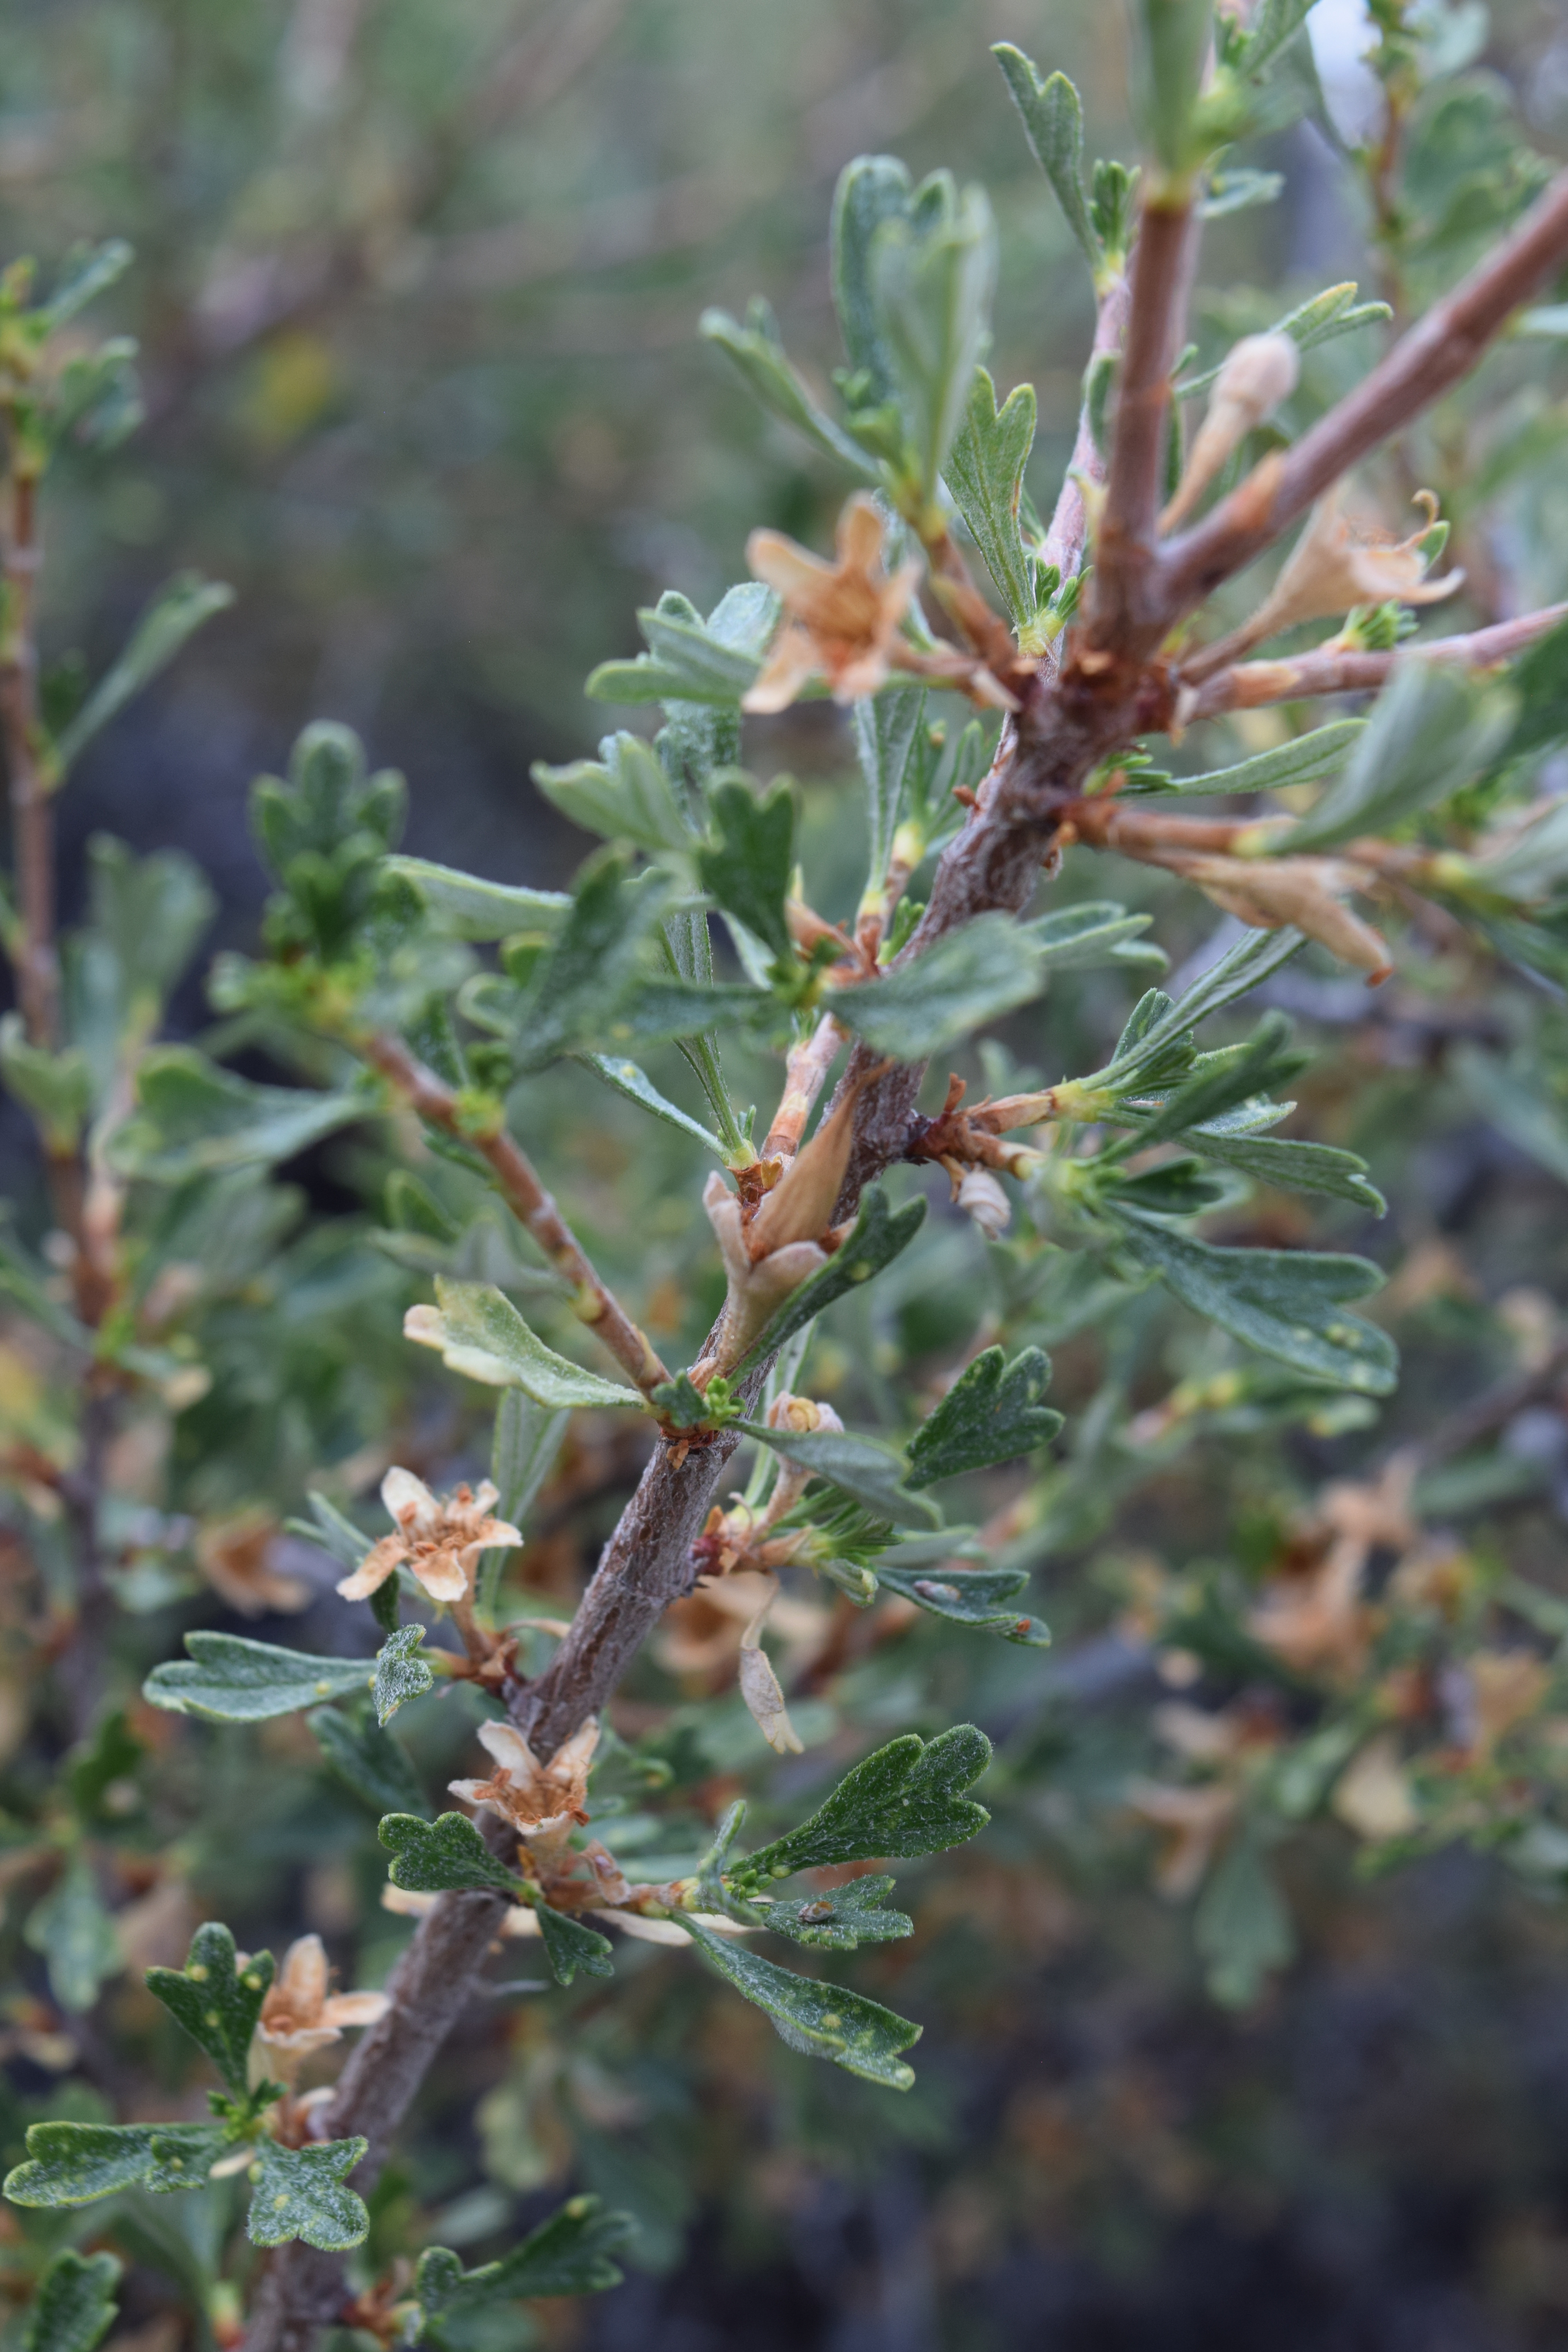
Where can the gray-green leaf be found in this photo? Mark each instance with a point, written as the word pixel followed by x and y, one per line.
pixel 74 2307
pixel 903 1800
pixel 982 1598
pixel 471 909
pixel 228 1679
pixel 217 2004
pixel 194 1120
pixel 1431 729
pixel 177 611
pixel 1053 123
pixel 984 471
pixel 368 1761
pixel 1285 1302
pixel 567 2254
pixel 879 1235
pixel 922 1007
pixel 625 795
pixel 303 2192
pixel 821 2021
pixel 746 867
pixel 933 272
pixel 571 1944
pixel 401 1673
pixel 758 352
pixel 75 1931
pixel 1303 760
pixel 445 1857
pixel 481 1334
pixel 991 1413
pixel 855 1464
pixel 838 1921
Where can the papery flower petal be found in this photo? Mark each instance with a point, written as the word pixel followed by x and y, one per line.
pixel 410 1502
pixel 354 2009
pixel 509 1748
pixel 372 1572
pixel 441 1573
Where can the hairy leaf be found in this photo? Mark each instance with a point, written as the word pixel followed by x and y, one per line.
pixel 194 1120
pixel 623 795
pixel 840 1920
pixel 569 2253
pixel 1303 760
pixel 443 1857
pixel 758 352
pixel 747 866
pixel 904 1798
pixel 984 471
pixel 856 1464
pixel 1077 938
pixel 481 1334
pixel 1432 728
pixel 401 1673
pixel 177 612
pixel 74 2164
pixel 471 909
pixel 217 2003
pixel 978 1597
pixel 887 730
pixel 991 1413
pixel 632 1081
pixel 74 2308
pixel 303 2192
pixel 571 1944
pixel 821 2021
pixel 75 1931
pixel 1053 123
pixel 228 1679
pixel 368 1761
pixel 1285 1302
pixel 932 273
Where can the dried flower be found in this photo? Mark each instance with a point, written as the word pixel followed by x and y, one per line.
pixel 1505 1688
pixel 1341 560
pixel 840 618
pixel 1259 372
pixel 540 1800
pixel 1270 892
pixel 760 1684
pixel 1373 1796
pixel 439 1542
pixel 234 1555
pixel 299 2015
pixel 1196 1821
pixel 755 1287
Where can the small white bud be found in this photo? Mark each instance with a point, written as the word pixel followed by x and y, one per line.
pixel 983 1202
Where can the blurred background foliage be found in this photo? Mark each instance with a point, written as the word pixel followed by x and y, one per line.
pixel 416 291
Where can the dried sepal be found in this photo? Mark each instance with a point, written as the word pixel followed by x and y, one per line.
pixel 840 618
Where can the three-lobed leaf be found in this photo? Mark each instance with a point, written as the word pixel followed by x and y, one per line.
pixel 857 1465
pixel 981 1598
pixel 1052 113
pixel 303 2192
pixel 215 2000
pixel 903 1800
pixel 74 2308
pixel 924 1006
pixel 445 1857
pixel 194 1120
pixel 984 471
pixel 991 1413
pixel 401 1673
pixel 1288 1304
pixel 746 866
pixel 840 1920
pixel 569 2254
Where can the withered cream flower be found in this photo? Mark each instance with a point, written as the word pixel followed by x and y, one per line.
pixel 539 1801
pixel 1269 892
pixel 1341 560
pixel 299 2015
pixel 439 1542
pixel 839 618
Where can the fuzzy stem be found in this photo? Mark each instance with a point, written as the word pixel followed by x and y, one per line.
pixel 519 1185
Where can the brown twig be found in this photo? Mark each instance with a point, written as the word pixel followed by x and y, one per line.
pixel 1125 551
pixel 520 1187
pixel 1328 670
pixel 1443 346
